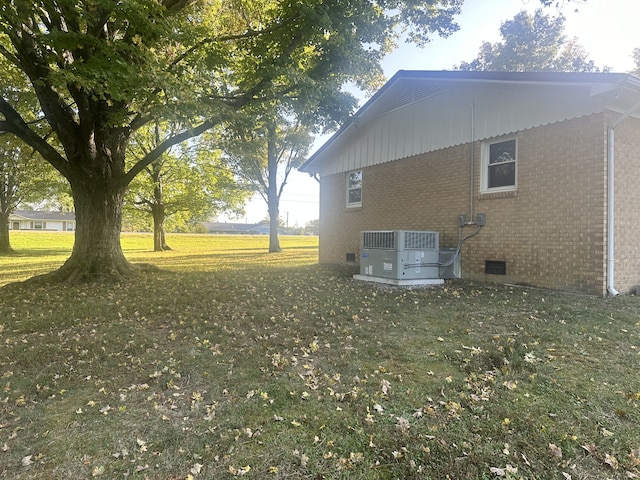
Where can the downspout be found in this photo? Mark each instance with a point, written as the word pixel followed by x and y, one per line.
pixel 611 199
pixel 471 168
pixel 610 216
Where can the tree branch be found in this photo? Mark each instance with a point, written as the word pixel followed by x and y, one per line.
pixel 15 124
pixel 249 33
pixel 154 154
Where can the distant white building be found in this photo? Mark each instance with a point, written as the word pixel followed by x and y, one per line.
pixel 51 221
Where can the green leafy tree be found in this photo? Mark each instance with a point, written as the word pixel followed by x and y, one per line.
pixel 636 60
pixel 103 69
pixel 24 177
pixel 12 178
pixel 532 42
pixel 25 181
pixel 264 149
pixel 312 227
pixel 187 184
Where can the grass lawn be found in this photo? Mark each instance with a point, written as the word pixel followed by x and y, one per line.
pixel 234 362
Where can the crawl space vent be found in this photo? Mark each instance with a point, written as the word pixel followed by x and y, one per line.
pixel 495 267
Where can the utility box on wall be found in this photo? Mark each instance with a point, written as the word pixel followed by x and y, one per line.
pixel 399 255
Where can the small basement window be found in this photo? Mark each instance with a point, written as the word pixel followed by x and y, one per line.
pixel 495 267
pixel 351 257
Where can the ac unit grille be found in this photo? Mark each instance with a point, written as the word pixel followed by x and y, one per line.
pixel 420 240
pixel 383 240
pixel 400 240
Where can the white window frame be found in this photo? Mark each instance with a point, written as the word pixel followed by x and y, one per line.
pixel 351 188
pixel 485 153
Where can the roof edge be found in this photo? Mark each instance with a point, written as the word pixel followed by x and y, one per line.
pixel 561 78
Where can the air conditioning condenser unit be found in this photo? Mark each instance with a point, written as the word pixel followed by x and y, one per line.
pixel 400 257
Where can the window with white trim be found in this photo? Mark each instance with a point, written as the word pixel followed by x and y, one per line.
pixel 354 189
pixel 499 165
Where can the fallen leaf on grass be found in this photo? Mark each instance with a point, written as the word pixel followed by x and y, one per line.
pixel 611 461
pixel 510 385
pixel 499 472
pixel 97 471
pixel 403 424
pixel 384 386
pixel 556 451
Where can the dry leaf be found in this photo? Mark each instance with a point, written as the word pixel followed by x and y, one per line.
pixel 499 472
pixel 97 471
pixel 611 461
pixel 556 451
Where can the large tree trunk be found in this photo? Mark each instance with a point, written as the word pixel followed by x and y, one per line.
pixel 5 245
pixel 97 254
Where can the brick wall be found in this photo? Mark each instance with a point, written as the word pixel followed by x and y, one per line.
pixel 551 232
pixel 627 206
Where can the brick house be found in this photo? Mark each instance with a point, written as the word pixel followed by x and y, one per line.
pixel 552 160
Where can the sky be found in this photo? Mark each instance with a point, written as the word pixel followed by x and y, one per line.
pixel 607 29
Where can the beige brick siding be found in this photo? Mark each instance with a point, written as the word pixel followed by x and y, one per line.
pixel 627 206
pixel 551 232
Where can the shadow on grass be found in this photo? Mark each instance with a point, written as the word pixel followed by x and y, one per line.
pixel 36 253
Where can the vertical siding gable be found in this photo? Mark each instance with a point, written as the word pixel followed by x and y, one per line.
pixel 444 120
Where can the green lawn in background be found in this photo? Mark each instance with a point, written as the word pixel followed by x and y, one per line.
pixel 231 362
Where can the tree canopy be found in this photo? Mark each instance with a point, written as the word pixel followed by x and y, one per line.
pixel 532 42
